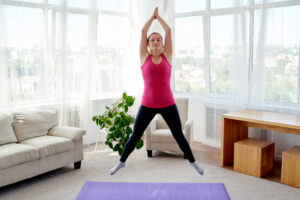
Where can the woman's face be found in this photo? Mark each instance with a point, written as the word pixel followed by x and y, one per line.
pixel 155 42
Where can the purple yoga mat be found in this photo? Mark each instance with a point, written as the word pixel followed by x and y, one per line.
pixel 152 191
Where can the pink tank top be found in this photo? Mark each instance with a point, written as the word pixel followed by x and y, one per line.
pixel 157 90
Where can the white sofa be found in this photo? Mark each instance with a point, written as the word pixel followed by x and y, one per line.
pixel 31 143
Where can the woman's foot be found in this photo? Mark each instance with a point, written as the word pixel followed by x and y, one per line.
pixel 116 168
pixel 197 167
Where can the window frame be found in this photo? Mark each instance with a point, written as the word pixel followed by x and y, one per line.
pixel 53 9
pixel 206 16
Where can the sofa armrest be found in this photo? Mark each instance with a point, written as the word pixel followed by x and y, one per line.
pixel 188 130
pixel 72 133
pixel 150 128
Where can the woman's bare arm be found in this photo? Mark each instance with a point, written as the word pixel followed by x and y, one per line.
pixel 143 43
pixel 168 49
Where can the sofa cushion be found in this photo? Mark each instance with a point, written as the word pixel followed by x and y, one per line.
pixel 14 154
pixel 163 136
pixel 48 145
pixel 35 123
pixel 7 134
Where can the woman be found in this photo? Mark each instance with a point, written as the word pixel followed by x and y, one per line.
pixel 157 96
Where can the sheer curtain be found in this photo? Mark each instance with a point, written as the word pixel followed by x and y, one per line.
pixel 3 68
pixel 227 56
pixel 236 55
pixel 211 64
pixel 229 60
pixel 276 58
pixel 65 55
pixel 22 53
pixel 275 73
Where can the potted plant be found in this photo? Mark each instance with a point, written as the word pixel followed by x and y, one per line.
pixel 117 122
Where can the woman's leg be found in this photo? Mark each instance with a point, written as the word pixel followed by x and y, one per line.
pixel 143 118
pixel 172 118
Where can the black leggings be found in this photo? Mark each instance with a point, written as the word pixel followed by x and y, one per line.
pixel 144 117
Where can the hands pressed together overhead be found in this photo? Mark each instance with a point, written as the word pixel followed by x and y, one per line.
pixel 155 13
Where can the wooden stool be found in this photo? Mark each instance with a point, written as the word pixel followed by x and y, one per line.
pixel 253 157
pixel 290 174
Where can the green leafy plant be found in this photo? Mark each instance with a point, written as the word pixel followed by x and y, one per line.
pixel 117 121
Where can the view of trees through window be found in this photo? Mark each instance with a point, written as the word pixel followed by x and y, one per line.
pixel 34 53
pixel 24 52
pixel 29 68
pixel 280 56
pixel 189 55
pixel 112 53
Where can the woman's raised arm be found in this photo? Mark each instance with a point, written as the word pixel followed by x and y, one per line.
pixel 143 43
pixel 168 49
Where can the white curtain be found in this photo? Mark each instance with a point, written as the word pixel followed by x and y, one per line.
pixel 68 54
pixel 248 58
pixel 65 55
pixel 234 61
pixel 228 73
pixel 275 73
pixel 276 59
pixel 3 67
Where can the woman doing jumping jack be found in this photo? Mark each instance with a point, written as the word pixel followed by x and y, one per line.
pixel 157 95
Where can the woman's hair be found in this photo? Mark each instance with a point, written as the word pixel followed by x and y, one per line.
pixel 152 34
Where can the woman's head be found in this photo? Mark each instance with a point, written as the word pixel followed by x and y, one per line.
pixel 155 41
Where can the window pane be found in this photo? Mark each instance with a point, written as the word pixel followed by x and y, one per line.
pixel 112 54
pixel 117 5
pixel 221 52
pixel 268 1
pixel 217 4
pixel 189 55
pixel 32 1
pixel 189 5
pixel 281 53
pixel 78 3
pixel 24 41
pixel 72 3
pixel 76 51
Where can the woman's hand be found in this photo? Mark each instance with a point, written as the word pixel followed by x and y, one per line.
pixel 156 15
pixel 153 15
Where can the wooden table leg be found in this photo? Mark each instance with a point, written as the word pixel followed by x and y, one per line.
pixel 232 131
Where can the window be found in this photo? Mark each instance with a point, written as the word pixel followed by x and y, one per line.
pixel 280 54
pixel 76 51
pixel 83 4
pixel 32 1
pixel 189 5
pixel 217 4
pixel 24 53
pixel 189 55
pixel 267 1
pixel 46 50
pixel 116 5
pixel 221 52
pixel 113 43
pixel 273 60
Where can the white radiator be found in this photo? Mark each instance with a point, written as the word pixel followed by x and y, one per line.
pixel 214 122
pixel 74 116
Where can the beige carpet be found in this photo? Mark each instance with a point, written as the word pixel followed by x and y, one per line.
pixel 65 183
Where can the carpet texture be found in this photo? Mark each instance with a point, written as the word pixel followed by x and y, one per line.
pixel 152 191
